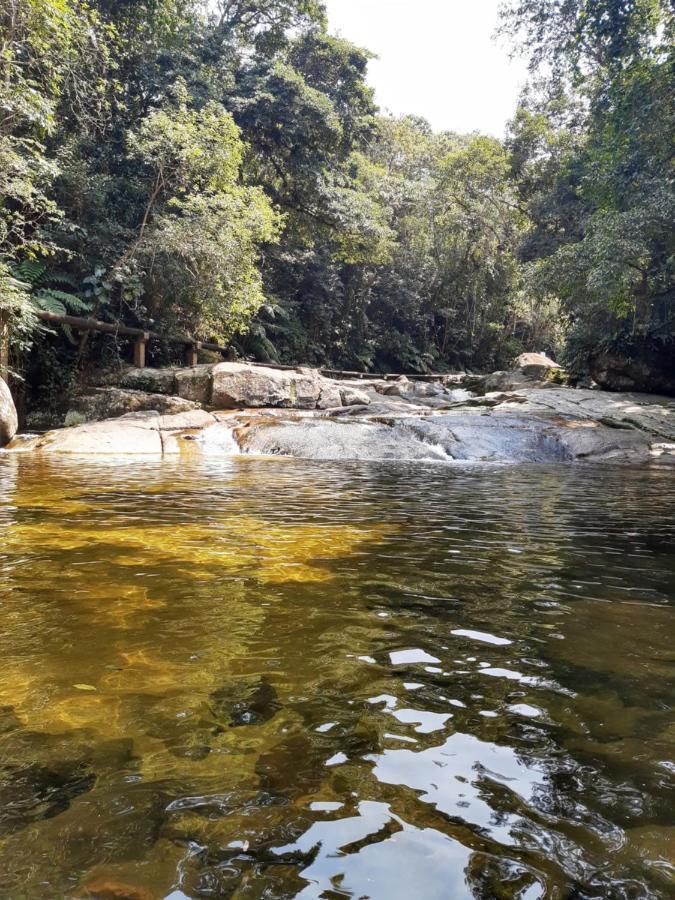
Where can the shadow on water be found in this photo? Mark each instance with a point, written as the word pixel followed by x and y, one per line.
pixel 273 678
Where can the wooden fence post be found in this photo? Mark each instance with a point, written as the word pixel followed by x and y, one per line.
pixel 192 354
pixel 139 350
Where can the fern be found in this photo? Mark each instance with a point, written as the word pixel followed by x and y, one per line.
pixel 30 271
pixel 47 289
pixel 49 304
pixel 60 302
pixel 63 278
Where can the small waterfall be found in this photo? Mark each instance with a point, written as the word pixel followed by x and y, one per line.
pixel 459 395
pixel 219 440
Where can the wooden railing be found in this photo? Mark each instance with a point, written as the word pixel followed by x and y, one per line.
pixel 141 337
pixel 192 347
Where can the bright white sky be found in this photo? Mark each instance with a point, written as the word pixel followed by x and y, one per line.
pixel 437 59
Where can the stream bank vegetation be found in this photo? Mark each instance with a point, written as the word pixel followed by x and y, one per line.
pixel 222 170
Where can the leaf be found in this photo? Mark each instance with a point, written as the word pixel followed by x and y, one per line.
pixel 85 687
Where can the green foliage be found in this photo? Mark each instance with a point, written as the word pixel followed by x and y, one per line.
pixel 44 288
pixel 221 169
pixel 593 155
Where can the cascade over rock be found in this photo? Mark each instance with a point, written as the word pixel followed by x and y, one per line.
pixel 299 413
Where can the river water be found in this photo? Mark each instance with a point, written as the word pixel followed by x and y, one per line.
pixel 268 678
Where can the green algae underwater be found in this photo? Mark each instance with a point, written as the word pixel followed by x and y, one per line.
pixel 272 678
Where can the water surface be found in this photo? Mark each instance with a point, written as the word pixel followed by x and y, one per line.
pixel 273 678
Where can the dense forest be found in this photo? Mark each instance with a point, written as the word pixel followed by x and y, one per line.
pixel 221 169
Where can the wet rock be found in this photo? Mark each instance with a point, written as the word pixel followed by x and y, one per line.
pixel 653 416
pixel 517 429
pixel 8 418
pixel 239 704
pixel 195 384
pixel 238 386
pixel 108 889
pixel 109 403
pixel 425 389
pixel 31 793
pixel 195 418
pixel 334 439
pixel 133 434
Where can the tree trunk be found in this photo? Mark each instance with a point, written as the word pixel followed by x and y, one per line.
pixel 4 346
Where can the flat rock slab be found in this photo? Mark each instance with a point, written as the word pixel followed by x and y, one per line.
pixel 136 434
pixel 651 414
pixel 459 436
pixel 426 423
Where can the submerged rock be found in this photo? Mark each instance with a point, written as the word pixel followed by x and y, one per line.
pixel 31 793
pixel 8 418
pixel 245 704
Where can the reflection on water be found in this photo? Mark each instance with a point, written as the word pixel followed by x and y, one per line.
pixel 271 678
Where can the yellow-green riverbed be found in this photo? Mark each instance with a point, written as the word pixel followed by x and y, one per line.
pixel 261 678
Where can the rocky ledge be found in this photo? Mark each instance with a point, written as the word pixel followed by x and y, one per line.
pixel 299 413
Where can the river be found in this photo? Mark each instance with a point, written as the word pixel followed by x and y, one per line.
pixel 269 678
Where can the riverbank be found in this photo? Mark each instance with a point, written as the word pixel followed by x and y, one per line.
pixel 233 408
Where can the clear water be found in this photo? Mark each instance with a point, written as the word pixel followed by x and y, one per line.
pixel 271 678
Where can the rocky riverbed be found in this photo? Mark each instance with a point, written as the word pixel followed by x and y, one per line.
pixel 234 408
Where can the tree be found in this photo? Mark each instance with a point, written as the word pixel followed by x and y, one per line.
pixel 599 185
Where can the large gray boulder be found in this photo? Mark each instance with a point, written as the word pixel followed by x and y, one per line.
pixel 195 384
pixel 8 418
pixel 535 365
pixel 240 386
pixel 154 381
pixel 331 396
pixel 351 396
pixel 110 403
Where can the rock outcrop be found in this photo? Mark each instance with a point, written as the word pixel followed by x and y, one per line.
pixel 243 386
pixel 619 373
pixel 110 403
pixel 543 425
pixel 8 418
pixel 135 434
pixel 535 365
pixel 531 370
pixel 238 386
